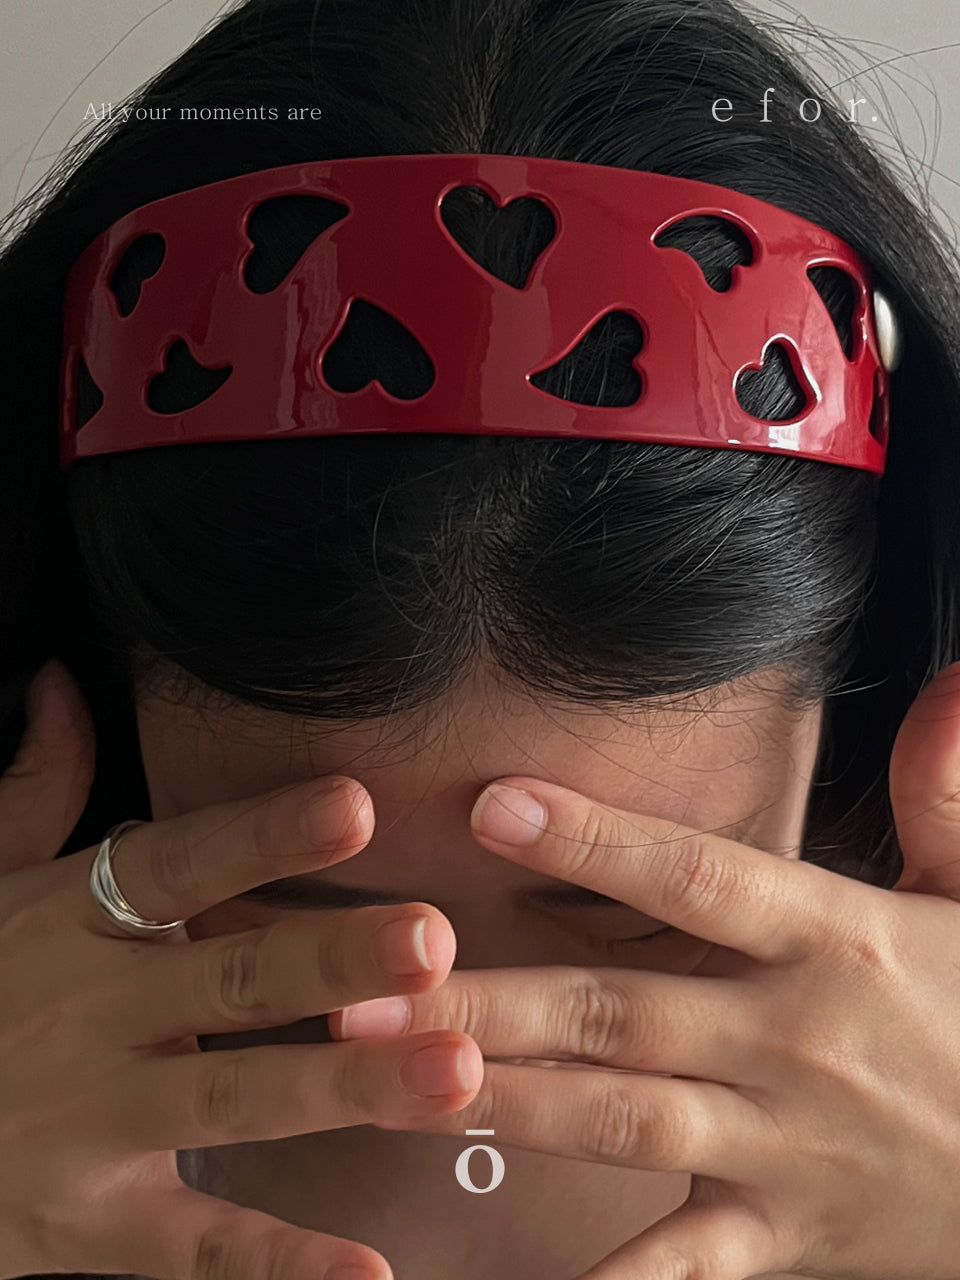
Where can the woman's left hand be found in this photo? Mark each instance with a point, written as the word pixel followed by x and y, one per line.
pixel 811 1079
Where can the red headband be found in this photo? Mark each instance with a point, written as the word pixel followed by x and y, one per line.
pixel 484 339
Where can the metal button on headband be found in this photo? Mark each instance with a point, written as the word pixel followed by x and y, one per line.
pixel 889 336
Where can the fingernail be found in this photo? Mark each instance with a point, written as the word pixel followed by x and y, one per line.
pixel 509 815
pixel 434 1071
pixel 400 947
pixel 317 817
pixel 348 1272
pixel 386 1016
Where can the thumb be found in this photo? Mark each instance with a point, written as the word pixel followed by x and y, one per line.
pixel 925 788
pixel 45 789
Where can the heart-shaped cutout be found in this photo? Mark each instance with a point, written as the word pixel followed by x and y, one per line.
pixel 505 240
pixel 141 259
pixel 715 244
pixel 772 390
pixel 373 346
pixel 840 295
pixel 599 370
pixel 184 382
pixel 282 229
pixel 89 397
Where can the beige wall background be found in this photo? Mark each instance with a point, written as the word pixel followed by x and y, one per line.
pixel 58 56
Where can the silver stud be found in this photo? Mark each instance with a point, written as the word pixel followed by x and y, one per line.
pixel 889 337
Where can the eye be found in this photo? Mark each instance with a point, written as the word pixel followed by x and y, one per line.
pixel 613 927
pixel 625 946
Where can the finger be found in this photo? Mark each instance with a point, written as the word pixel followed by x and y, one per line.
pixel 719 1241
pixel 185 1234
pixel 178 867
pixel 924 780
pixel 276 1091
pixel 45 788
pixel 621 1118
pixel 711 1028
pixel 280 973
pixel 771 908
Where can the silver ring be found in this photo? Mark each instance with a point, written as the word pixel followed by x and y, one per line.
pixel 108 896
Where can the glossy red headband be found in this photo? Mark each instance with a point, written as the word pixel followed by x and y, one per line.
pixel 482 341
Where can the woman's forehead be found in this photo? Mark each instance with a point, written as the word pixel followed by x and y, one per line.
pixel 715 764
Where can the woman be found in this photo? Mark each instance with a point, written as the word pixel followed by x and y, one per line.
pixel 664 640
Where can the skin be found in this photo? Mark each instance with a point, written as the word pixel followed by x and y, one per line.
pixel 737 762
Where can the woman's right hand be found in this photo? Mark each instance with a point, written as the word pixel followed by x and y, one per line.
pixel 101 1076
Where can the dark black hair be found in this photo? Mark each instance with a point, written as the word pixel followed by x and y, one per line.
pixel 357 576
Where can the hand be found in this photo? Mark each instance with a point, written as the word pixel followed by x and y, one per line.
pixel 810 1066
pixel 101 1076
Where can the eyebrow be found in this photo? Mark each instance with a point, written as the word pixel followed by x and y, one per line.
pixel 304 893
